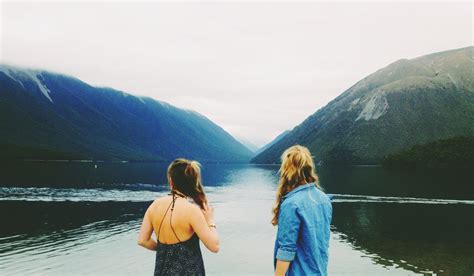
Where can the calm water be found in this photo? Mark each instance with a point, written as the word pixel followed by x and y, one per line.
pixel 384 222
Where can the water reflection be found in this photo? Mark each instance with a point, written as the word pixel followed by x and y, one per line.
pixel 107 174
pixel 418 237
pixel 37 217
pixel 38 236
pixel 93 229
pixel 450 184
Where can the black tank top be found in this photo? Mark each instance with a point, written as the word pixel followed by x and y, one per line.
pixel 182 258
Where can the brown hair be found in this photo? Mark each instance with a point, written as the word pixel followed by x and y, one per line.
pixel 297 168
pixel 186 178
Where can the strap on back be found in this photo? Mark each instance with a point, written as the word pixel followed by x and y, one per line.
pixel 171 217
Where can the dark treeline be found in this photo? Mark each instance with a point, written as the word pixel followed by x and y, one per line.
pixel 457 152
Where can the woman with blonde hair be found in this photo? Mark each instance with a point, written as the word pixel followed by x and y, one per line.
pixel 179 221
pixel 303 215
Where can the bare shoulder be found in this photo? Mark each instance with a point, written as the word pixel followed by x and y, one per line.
pixel 157 202
pixel 160 200
pixel 192 208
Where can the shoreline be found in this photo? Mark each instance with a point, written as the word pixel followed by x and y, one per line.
pixel 114 161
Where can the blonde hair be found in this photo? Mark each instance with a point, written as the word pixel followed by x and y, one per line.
pixel 297 168
pixel 186 178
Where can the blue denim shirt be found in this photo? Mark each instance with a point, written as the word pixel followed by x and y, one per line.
pixel 303 231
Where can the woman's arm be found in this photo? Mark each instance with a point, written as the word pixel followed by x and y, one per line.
pixel 144 238
pixel 288 229
pixel 281 268
pixel 200 221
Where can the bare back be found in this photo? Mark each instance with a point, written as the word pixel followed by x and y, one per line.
pixel 178 223
pixel 174 221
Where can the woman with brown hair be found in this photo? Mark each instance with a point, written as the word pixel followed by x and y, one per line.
pixel 303 214
pixel 179 221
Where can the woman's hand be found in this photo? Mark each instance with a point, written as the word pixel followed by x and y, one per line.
pixel 208 213
pixel 281 268
pixel 200 221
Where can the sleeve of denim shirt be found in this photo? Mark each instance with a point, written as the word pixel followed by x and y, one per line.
pixel 288 228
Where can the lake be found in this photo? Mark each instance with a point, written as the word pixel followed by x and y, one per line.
pixel 63 218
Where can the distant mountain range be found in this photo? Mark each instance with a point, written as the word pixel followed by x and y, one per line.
pixel 44 115
pixel 409 102
pixel 276 139
pixel 248 144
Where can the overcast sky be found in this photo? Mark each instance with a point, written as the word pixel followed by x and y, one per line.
pixel 254 69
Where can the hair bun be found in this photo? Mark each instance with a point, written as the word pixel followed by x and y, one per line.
pixel 193 168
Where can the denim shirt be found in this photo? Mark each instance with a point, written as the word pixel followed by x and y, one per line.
pixel 303 231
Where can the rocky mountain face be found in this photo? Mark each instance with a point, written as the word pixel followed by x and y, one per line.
pixel 408 102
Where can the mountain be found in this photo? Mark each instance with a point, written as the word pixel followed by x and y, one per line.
pixel 248 144
pixel 276 139
pixel 409 102
pixel 45 115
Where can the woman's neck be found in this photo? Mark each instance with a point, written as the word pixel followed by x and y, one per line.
pixel 303 182
pixel 178 193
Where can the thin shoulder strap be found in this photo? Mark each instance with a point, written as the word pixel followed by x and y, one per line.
pixel 171 217
pixel 161 223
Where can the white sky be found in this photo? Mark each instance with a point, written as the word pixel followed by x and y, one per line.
pixel 256 69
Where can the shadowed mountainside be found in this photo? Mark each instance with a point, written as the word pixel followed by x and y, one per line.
pixel 51 116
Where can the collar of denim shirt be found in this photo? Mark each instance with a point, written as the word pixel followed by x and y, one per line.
pixel 299 188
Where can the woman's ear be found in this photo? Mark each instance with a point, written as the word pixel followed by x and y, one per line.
pixel 171 183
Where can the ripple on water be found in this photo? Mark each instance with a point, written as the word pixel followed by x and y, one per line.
pixel 100 240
